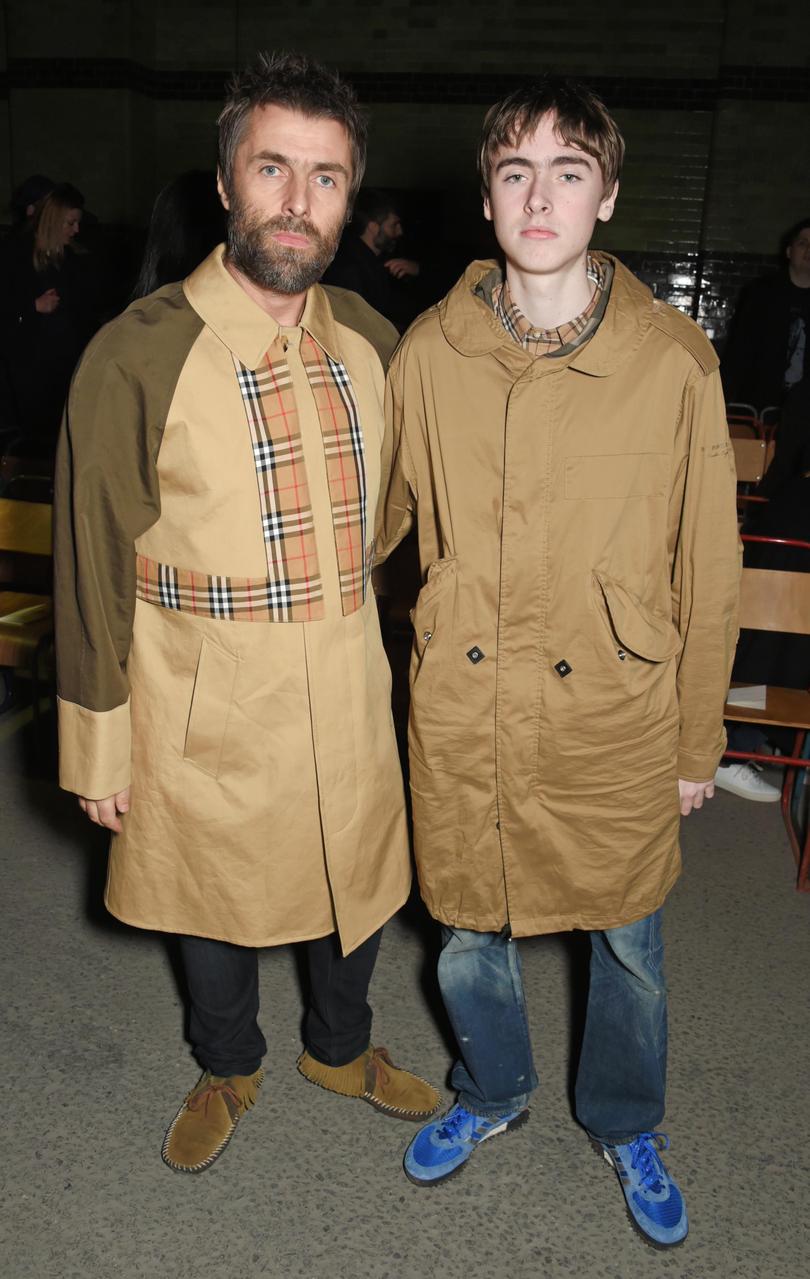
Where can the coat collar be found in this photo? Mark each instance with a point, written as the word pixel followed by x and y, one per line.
pixel 470 326
pixel 244 327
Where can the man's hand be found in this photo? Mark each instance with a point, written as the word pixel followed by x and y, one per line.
pixel 693 794
pixel 400 267
pixel 47 302
pixel 104 812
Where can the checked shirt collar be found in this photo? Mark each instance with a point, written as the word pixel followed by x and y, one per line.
pixel 560 340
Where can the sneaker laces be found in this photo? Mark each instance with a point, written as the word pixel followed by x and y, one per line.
pixel 452 1124
pixel 647 1161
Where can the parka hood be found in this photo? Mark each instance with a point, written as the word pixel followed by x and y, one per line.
pixel 472 328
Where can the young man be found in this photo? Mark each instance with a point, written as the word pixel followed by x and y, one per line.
pixel 561 437
pixel 223 692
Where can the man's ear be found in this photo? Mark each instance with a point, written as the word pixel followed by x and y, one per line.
pixel 223 194
pixel 608 204
pixel 487 209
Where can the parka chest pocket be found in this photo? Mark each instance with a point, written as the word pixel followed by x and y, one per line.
pixel 210 707
pixel 617 475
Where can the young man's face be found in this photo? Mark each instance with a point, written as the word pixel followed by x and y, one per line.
pixel 288 197
pixel 545 197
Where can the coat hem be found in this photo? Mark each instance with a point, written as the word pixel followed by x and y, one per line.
pixel 555 923
pixel 233 940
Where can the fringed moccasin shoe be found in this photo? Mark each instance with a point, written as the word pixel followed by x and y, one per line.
pixel 374 1078
pixel 207 1120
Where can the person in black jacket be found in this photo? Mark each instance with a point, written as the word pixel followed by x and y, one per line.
pixel 48 311
pixel 768 347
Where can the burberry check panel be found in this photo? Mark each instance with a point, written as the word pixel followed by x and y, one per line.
pixel 288 526
pixel 345 467
pixel 546 341
pixel 232 599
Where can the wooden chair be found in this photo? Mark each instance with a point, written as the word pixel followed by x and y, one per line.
pixel 752 457
pixel 773 600
pixel 26 615
pixel 744 422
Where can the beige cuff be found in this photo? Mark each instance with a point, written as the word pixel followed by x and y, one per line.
pixel 94 750
pixel 700 768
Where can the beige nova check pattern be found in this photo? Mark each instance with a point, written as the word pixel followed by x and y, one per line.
pixel 546 341
pixel 293 588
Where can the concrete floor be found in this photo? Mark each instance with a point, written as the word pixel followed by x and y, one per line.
pixel 95 1064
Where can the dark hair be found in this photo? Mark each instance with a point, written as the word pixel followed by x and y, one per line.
pixel 582 119
pixel 187 222
pixel 792 234
pixel 372 205
pixel 299 83
pixel 30 191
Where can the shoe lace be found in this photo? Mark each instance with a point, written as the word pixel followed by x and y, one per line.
pixel 646 1160
pixel 452 1124
pixel 197 1099
pixel 379 1063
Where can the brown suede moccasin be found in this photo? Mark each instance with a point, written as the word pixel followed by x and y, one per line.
pixel 374 1078
pixel 207 1120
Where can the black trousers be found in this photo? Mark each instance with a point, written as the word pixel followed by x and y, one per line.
pixel 223 983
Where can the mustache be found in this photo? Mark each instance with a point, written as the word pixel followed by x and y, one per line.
pixel 295 226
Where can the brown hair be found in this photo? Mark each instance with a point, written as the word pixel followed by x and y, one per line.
pixel 299 83
pixel 582 119
pixel 49 221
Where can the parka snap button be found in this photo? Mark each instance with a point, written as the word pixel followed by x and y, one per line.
pixel 562 668
pixel 475 655
pixel 427 637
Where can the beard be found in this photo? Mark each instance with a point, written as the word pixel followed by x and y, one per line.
pixel 279 267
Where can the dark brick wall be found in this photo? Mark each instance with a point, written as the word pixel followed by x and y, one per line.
pixel 713 97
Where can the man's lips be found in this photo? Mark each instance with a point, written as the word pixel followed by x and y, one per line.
pixel 291 239
pixel 538 233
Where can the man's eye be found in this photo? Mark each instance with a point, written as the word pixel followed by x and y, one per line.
pixel 514 178
pixel 270 169
pixel 324 180
pixel 570 177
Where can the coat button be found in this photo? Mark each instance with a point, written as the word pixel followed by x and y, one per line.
pixel 427 637
pixel 562 668
pixel 475 655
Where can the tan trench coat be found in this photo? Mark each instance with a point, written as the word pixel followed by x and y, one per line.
pixel 574 635
pixel 267 799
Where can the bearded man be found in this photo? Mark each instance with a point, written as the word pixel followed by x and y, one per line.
pixel 223 692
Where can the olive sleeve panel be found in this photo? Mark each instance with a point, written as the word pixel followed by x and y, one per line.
pixel 106 496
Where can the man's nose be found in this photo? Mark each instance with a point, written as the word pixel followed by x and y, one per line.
pixel 296 195
pixel 538 195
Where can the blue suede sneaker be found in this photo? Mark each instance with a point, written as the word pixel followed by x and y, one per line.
pixel 654 1202
pixel 442 1147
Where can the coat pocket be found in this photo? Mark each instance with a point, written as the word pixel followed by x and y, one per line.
pixel 636 627
pixel 440 577
pixel 210 707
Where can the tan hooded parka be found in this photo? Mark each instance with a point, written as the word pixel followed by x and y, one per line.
pixel 576 626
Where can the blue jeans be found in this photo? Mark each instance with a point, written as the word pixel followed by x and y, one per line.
pixel 621 1078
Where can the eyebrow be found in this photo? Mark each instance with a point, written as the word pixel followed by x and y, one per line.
pixel 323 166
pixel 559 162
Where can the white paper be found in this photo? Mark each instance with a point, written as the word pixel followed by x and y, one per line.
pixel 754 696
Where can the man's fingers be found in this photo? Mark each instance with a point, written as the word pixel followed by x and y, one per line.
pixel 104 812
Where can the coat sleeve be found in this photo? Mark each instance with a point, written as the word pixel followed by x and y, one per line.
pixel 395 514
pixel 106 496
pixel 705 553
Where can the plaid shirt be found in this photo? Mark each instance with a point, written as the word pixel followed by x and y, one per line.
pixel 548 341
pixel 293 588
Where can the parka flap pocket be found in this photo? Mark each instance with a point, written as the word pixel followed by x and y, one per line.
pixel 210 705
pixel 440 577
pixel 637 628
pixel 439 574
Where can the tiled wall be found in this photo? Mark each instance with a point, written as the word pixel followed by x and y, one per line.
pixel 713 97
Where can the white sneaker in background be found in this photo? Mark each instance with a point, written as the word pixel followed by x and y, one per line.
pixel 746 780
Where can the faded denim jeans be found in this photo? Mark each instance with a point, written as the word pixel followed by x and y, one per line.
pixel 621 1078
